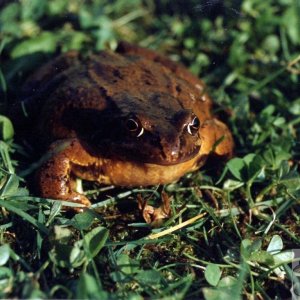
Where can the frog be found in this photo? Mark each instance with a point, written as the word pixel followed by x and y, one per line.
pixel 129 118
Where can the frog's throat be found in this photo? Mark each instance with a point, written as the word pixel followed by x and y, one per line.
pixel 126 173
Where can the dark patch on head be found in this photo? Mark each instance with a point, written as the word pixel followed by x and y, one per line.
pixel 99 69
pixel 178 88
pixel 117 74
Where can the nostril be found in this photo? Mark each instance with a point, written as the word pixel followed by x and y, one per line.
pixel 170 148
pixel 172 152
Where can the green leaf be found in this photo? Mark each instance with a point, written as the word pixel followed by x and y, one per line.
pixel 271 43
pixel 237 168
pixel 74 41
pixel 34 293
pixel 77 255
pixel 7 130
pixel 291 181
pixel 45 42
pixel 276 245
pixel 246 248
pixel 250 249
pixel 127 265
pixel 232 185
pixel 291 20
pixel 85 18
pixel 256 245
pixel 294 108
pixel 284 256
pixel 227 282
pixel 279 122
pixel 61 234
pixel 255 165
pixel 217 294
pixel 89 287
pixel 149 277
pixel 6 281
pixel 83 220
pixel 118 276
pixel 4 254
pixel 33 9
pixel 95 240
pixel 55 210
pixel 9 13
pixel 268 111
pixel 248 159
pixel 284 169
pixel 275 157
pixel 39 237
pixel 262 257
pixel 11 186
pixel 212 274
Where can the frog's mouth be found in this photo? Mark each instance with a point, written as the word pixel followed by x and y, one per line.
pixel 174 157
pixel 150 156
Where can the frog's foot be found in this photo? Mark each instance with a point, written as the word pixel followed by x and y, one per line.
pixel 155 216
pixel 76 198
pixel 73 197
pixel 54 178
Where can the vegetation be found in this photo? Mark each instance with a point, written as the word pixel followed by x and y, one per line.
pixel 248 54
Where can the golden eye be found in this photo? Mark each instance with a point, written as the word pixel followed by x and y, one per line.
pixel 134 126
pixel 193 126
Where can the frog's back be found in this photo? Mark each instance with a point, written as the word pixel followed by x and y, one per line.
pixel 71 88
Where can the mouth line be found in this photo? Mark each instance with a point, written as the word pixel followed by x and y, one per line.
pixel 182 159
pixel 158 159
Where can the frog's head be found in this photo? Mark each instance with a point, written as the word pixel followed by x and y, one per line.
pixel 167 140
pixel 158 131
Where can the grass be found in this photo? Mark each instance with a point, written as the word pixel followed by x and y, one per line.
pixel 232 231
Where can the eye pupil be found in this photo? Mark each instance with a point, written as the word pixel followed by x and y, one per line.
pixel 132 125
pixel 196 123
pixel 193 126
pixel 135 127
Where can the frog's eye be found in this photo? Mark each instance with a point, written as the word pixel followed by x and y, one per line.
pixel 193 126
pixel 135 127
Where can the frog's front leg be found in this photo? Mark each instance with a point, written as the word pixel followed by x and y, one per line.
pixel 216 139
pixel 54 178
